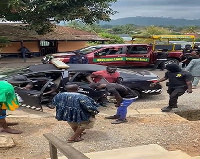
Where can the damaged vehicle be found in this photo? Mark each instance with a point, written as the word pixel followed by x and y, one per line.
pixel 138 81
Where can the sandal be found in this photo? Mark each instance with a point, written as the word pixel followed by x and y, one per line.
pixel 83 133
pixel 75 140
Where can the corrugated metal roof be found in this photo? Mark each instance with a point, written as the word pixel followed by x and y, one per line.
pixel 20 32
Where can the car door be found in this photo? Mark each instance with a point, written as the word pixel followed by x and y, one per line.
pixel 110 56
pixel 138 55
pixel 31 98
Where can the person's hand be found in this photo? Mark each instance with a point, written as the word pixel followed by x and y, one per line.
pixel 189 91
pixel 152 84
pixel 117 105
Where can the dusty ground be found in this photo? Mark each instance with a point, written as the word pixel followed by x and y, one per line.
pixel 168 130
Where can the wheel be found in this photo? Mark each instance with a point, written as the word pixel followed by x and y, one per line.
pixel 171 61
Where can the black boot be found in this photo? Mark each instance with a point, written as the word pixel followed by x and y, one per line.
pixel 166 109
pixel 113 117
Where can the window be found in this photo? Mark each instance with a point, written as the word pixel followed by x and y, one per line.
pixel 89 49
pixel 137 50
pixel 114 51
pixel 164 46
pixel 47 43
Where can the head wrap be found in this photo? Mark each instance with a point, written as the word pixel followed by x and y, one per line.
pixel 7 96
pixel 173 68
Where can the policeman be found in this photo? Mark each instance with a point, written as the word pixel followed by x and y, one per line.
pixel 161 59
pixel 186 55
pixel 179 82
pixel 78 58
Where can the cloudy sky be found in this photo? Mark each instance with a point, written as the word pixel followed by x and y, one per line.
pixel 188 9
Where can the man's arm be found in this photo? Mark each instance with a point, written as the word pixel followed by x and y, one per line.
pixel 190 65
pixel 53 89
pixel 28 86
pixel 189 85
pixel 161 80
pixel 89 78
pixel 93 75
pixel 188 80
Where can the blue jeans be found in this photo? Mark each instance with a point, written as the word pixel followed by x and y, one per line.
pixel 195 81
pixel 122 109
pixel 2 114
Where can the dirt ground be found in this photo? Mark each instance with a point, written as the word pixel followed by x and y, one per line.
pixel 167 130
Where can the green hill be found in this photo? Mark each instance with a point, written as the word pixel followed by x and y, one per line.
pixel 146 21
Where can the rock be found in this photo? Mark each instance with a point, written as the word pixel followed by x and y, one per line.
pixel 6 142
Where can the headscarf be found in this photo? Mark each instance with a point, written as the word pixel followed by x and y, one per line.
pixel 7 96
pixel 173 68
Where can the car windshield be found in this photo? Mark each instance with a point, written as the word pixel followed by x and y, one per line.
pixel 89 49
pixel 7 74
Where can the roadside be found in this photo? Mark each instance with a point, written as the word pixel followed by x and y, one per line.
pixel 10 63
pixel 144 127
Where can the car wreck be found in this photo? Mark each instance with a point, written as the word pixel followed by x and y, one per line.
pixel 61 74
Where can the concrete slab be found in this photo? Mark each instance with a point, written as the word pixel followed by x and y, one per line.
pixel 128 153
pixel 6 141
pixel 141 152
pixel 152 151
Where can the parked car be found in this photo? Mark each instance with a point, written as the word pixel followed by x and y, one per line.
pixel 138 81
pixel 121 54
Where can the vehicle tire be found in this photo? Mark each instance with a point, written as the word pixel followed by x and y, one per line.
pixel 171 61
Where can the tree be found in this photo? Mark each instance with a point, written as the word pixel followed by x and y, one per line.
pixel 39 13
pixel 94 28
pixel 114 39
pixel 150 31
pixel 154 30
pixel 190 29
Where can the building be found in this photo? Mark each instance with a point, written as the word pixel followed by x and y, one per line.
pixel 62 39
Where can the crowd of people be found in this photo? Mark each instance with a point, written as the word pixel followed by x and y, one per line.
pixel 79 110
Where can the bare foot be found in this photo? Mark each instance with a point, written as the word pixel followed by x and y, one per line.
pixel 11 131
pixel 12 124
pixel 75 140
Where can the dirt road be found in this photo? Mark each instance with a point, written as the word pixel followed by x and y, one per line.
pixel 167 129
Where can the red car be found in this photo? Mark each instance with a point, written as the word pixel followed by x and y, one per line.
pixel 117 54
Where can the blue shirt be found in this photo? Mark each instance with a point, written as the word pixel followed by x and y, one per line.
pixel 78 59
pixel 74 107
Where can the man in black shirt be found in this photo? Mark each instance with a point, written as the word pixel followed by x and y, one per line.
pixel 179 82
pixel 124 97
pixel 161 59
pixel 188 57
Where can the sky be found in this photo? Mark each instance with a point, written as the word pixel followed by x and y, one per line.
pixel 187 9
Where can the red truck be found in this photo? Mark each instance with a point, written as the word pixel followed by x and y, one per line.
pixel 122 54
